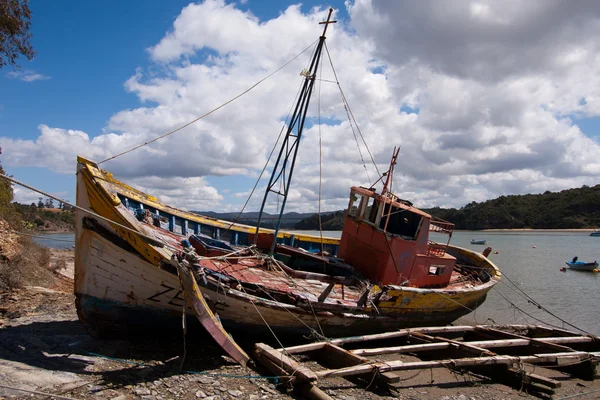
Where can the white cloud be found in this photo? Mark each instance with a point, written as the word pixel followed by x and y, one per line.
pixel 494 87
pixel 27 75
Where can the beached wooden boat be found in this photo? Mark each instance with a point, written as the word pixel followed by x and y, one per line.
pixel 384 273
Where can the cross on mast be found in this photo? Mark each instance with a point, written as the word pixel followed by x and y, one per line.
pixel 286 160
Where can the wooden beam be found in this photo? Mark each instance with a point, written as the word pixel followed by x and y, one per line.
pixel 342 357
pixel 551 358
pixel 289 365
pixel 307 389
pixel 486 344
pixel 532 341
pixel 410 348
pixel 326 292
pixel 469 348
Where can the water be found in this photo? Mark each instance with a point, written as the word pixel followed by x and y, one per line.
pixel 572 295
pixel 532 260
pixel 56 240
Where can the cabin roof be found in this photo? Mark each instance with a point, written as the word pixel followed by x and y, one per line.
pixel 371 193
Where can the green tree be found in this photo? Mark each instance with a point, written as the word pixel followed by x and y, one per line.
pixel 15 21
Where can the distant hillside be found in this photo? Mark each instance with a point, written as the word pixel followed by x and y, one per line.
pixel 288 221
pixel 568 209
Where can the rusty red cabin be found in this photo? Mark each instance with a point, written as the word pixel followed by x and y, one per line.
pixel 387 241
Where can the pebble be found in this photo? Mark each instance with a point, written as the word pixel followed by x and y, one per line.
pixel 200 394
pixel 235 393
pixel 205 380
pixel 142 392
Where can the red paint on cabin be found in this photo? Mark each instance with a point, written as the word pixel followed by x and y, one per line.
pixel 386 241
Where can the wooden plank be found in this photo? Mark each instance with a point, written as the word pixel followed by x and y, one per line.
pixel 459 345
pixel 455 363
pixel 339 356
pixel 543 380
pixel 307 389
pixel 289 365
pixel 532 341
pixel 208 320
pixel 411 348
pixel 415 348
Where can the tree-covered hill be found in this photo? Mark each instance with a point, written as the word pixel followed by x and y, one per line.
pixel 568 209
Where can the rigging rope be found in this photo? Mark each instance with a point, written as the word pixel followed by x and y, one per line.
pixel 237 218
pixel 211 111
pixel 349 111
pixel 86 211
pixel 540 307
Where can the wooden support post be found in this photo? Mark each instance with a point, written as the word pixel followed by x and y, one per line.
pixel 184 227
pixel 326 292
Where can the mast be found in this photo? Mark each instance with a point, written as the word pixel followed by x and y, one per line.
pixel 286 160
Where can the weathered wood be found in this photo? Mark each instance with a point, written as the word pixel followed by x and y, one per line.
pixel 206 317
pixel 552 358
pixel 532 341
pixel 411 348
pixel 459 345
pixel 342 357
pixel 543 380
pixel 306 389
pixel 289 365
pixel 326 292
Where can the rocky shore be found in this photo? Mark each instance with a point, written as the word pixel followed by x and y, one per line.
pixel 46 353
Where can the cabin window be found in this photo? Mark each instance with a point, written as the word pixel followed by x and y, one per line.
pixel 436 269
pixel 371 212
pixel 401 222
pixel 354 208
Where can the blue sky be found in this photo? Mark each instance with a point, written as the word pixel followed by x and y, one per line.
pixel 478 115
pixel 85 53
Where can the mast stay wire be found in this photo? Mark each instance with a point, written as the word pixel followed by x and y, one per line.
pixel 351 114
pixel 287 118
pixel 211 111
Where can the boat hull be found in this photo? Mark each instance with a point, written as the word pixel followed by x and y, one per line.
pixel 120 294
pixel 583 266
pixel 122 285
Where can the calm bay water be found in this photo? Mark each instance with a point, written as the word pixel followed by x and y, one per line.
pixel 56 240
pixel 532 260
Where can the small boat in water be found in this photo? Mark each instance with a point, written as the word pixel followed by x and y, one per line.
pixel 582 266
pixel 478 241
pixel 139 261
pixel 595 233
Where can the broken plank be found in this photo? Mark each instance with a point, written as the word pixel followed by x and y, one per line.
pixel 206 317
